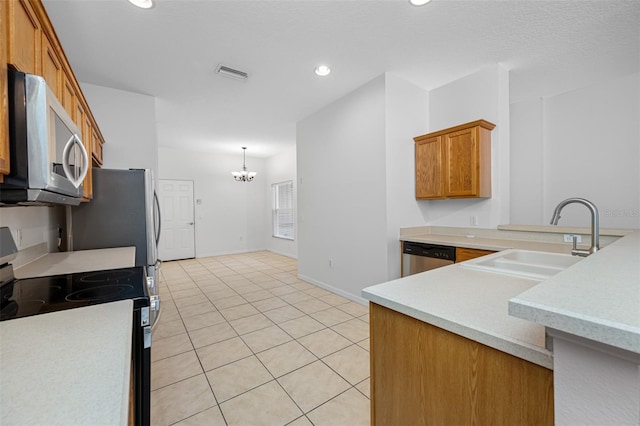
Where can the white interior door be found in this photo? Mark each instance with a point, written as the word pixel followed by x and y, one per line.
pixel 178 228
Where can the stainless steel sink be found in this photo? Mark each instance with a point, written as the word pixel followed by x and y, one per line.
pixel 535 265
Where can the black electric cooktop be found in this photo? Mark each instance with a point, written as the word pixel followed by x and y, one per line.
pixel 32 296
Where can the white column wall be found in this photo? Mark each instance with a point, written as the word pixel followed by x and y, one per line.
pixel 406 111
pixel 527 167
pixel 342 220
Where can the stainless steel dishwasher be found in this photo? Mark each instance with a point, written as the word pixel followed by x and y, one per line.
pixel 420 257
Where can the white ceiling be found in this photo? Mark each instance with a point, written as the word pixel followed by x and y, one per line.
pixel 171 52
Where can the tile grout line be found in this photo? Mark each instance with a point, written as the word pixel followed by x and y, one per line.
pixel 247 281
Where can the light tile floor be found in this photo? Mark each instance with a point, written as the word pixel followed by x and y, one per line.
pixel 242 341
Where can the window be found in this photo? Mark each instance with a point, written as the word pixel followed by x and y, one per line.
pixel 283 210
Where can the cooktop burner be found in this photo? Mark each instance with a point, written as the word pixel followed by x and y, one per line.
pixel 32 296
pixel 98 293
pixel 107 276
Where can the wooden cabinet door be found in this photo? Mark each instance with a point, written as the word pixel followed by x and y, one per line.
pixel 461 163
pixel 4 100
pixel 81 119
pixel 97 147
pixel 68 98
pixel 429 166
pixel 51 67
pixel 24 37
pixel 425 375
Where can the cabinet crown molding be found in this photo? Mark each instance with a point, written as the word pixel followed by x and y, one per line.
pixel 481 123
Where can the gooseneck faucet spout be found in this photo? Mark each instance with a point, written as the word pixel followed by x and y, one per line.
pixel 595 225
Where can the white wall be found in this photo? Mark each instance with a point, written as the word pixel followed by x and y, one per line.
pixel 231 217
pixel 128 123
pixel 527 170
pixel 33 225
pixel 341 192
pixel 356 184
pixel 281 168
pixel 406 113
pixel 583 143
pixel 481 95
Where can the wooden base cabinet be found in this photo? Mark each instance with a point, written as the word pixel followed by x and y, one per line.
pixel 424 375
pixel 463 253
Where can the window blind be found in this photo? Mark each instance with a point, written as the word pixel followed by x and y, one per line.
pixel 283 220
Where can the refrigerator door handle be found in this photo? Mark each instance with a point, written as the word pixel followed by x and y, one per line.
pixel 158 225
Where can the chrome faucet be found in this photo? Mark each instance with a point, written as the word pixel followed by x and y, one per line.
pixel 595 225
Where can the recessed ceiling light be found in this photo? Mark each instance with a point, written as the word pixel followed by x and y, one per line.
pixel 144 4
pixel 413 2
pixel 322 70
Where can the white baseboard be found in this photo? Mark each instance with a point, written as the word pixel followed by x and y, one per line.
pixel 289 255
pixel 338 291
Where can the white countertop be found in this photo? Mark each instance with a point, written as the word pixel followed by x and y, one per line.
pixel 78 261
pixel 68 367
pixel 598 298
pixel 525 237
pixel 484 243
pixel 472 304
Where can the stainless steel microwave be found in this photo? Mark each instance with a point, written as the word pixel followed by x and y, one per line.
pixel 47 159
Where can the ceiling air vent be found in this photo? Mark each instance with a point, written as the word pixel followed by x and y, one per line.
pixel 230 72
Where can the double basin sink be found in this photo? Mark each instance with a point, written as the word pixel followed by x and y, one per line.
pixel 535 265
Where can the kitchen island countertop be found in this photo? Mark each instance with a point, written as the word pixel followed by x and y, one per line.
pixel 598 298
pixel 472 304
pixel 67 367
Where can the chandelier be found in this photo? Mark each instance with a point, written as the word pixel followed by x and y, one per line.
pixel 244 175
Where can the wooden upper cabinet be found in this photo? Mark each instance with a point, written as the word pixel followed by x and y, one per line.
pixel 30 45
pixel 25 40
pixel 84 124
pixel 454 162
pixel 97 147
pixel 68 98
pixel 87 135
pixel 4 100
pixel 52 67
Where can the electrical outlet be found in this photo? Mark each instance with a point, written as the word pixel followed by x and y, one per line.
pixel 473 220
pixel 568 238
pixel 330 263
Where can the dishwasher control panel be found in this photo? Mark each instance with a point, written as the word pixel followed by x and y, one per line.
pixel 430 250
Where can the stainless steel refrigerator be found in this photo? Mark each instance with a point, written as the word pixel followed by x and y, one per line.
pixel 124 212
